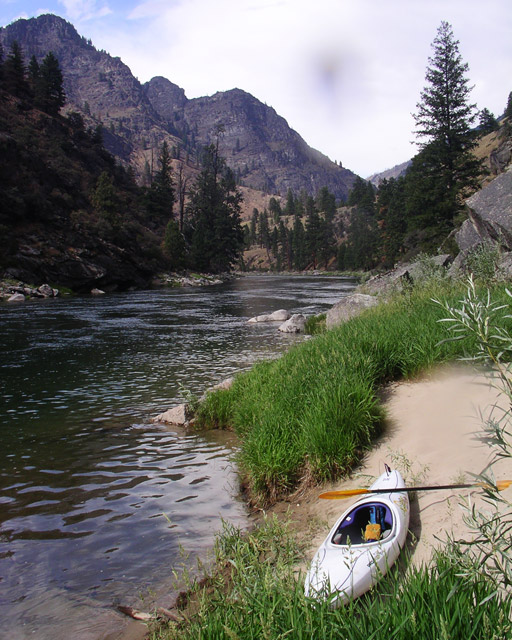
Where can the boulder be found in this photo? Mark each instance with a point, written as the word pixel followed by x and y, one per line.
pixel 224 385
pixel 179 415
pixel 295 324
pixel 349 307
pixel 46 291
pixel 277 316
pixel 489 215
pixel 405 274
pixel 16 297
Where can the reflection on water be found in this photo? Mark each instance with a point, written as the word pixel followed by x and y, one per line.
pixel 95 503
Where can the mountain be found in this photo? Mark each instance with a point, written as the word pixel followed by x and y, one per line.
pixel 258 144
pixel 397 171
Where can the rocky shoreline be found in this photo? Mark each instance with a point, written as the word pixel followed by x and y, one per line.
pixel 18 291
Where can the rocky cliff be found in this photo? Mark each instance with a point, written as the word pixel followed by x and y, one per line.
pixel 258 144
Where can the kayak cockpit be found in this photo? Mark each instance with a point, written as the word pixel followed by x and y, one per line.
pixel 366 523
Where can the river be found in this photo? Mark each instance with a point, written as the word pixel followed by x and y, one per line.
pixel 97 505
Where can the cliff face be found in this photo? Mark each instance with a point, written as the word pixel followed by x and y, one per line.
pixel 257 143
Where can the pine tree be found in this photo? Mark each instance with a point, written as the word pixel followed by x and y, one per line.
pixel 508 108
pixel 443 122
pixel 313 238
pixel 214 229
pixel 298 245
pixel 174 245
pixel 160 195
pixel 15 72
pixel 487 122
pixel 49 85
pixel 105 200
pixel 391 217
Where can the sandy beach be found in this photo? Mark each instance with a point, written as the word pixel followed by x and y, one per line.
pixel 430 437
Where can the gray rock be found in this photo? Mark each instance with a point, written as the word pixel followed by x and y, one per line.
pixel 295 324
pixel 97 292
pixel 16 297
pixel 501 157
pixel 179 415
pixel 225 384
pixel 349 307
pixel 46 291
pixel 489 215
pixel 277 316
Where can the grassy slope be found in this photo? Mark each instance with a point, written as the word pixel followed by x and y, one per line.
pixel 309 414
pixel 254 591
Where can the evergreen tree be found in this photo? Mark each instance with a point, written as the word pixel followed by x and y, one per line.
pixel 298 245
pixel 174 246
pixel 289 209
pixel 313 238
pixel 15 72
pixel 508 108
pixel 253 233
pixel 274 208
pixel 487 122
pixel 214 228
pixel 33 73
pixel 326 202
pixel 391 216
pixel 443 121
pixel 160 195
pixel 105 200
pixel 50 94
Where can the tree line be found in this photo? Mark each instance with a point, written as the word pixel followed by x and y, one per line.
pixel 40 84
pixel 300 235
pixel 205 232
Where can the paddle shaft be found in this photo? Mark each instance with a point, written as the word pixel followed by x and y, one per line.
pixel 357 492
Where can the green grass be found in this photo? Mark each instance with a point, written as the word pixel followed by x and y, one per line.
pixel 312 412
pixel 253 593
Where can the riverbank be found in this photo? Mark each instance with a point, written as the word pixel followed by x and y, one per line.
pixel 426 426
pixel 429 435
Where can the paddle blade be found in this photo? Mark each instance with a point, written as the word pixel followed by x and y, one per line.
pixel 341 495
pixel 503 484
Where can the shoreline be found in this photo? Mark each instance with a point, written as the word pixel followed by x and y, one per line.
pixel 430 426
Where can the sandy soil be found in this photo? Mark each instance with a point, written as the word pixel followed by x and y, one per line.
pixel 430 438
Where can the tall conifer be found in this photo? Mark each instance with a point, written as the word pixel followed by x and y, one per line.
pixel 443 124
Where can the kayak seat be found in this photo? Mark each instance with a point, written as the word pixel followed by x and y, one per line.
pixel 352 530
pixel 372 532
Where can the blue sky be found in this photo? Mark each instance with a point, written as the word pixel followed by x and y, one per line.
pixel 346 74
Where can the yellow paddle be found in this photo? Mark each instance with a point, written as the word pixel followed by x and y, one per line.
pixel 340 495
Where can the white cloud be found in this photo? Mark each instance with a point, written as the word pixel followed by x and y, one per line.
pixel 79 10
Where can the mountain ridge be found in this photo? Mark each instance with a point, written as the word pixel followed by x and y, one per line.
pixel 258 143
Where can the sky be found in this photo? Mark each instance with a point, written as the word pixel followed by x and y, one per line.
pixel 345 74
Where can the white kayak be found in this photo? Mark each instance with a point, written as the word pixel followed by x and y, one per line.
pixel 362 545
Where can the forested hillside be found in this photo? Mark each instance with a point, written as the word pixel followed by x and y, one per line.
pixel 258 145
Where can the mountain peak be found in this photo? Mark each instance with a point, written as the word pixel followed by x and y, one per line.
pixel 260 147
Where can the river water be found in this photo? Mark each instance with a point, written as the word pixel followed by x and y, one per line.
pixel 97 505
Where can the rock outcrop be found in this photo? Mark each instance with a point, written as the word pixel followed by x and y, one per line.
pixel 349 307
pixel 295 324
pixel 489 217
